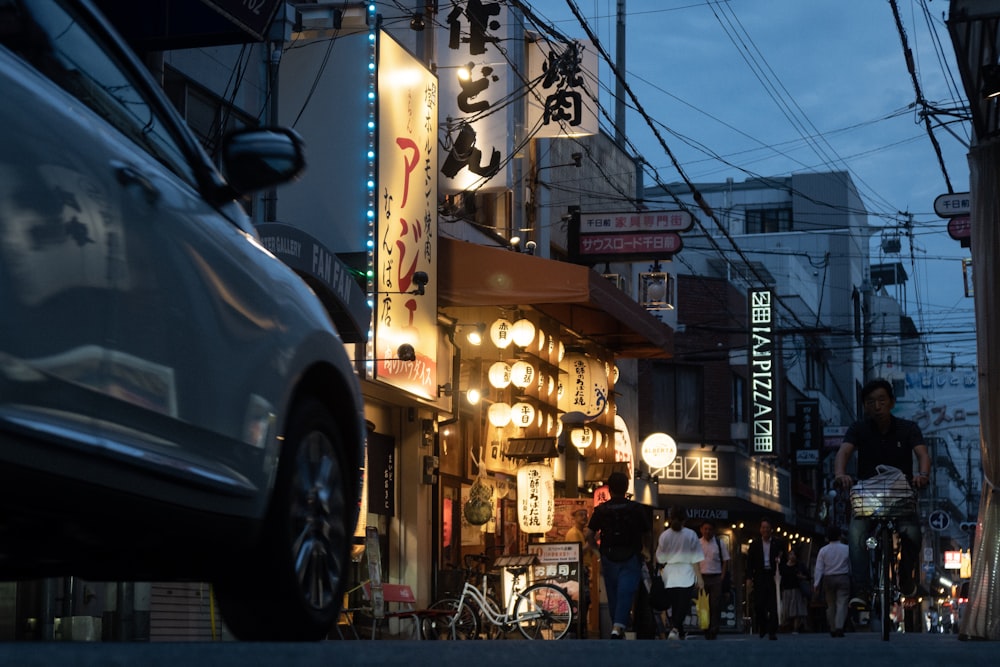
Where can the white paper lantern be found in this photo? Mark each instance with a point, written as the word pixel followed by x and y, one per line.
pixel 500 333
pixel 535 498
pixel 523 333
pixel 582 437
pixel 522 414
pixel 499 375
pixel 522 374
pixel 499 414
pixel 583 385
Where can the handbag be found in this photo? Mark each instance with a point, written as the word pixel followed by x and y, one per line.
pixel 701 605
pixel 658 599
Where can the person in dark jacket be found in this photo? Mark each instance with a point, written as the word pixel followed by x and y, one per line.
pixel 623 528
pixel 763 558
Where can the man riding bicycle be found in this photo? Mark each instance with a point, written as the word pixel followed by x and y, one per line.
pixel 882 439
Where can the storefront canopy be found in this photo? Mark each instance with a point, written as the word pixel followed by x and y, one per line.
pixel 331 279
pixel 577 297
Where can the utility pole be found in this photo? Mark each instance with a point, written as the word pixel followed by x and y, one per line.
pixel 620 85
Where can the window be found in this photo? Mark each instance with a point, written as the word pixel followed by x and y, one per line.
pixel 675 404
pixel 207 114
pixel 77 61
pixel 768 220
pixel 739 400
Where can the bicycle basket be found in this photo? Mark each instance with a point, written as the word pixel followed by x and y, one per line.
pixel 887 494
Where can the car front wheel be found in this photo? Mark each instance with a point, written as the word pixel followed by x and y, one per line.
pixel 290 588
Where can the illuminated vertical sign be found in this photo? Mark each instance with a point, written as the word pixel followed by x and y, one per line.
pixel 477 84
pixel 563 100
pixel 763 369
pixel 406 227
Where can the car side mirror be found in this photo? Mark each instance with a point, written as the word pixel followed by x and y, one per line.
pixel 258 158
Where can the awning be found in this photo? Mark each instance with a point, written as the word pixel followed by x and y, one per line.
pixel 723 509
pixel 328 276
pixel 577 297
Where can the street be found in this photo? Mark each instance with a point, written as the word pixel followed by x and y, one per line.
pixel 804 650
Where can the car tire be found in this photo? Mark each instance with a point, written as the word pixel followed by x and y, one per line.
pixel 291 587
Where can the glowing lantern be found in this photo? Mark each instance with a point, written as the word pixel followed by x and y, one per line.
pixel 582 437
pixel 522 414
pixel 583 385
pixel 602 494
pixel 535 498
pixel 523 333
pixel 499 375
pixel 522 374
pixel 499 414
pixel 500 333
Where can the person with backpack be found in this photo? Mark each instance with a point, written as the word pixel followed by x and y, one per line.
pixel 679 550
pixel 623 528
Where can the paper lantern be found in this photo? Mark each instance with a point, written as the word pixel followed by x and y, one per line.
pixel 500 333
pixel 602 494
pixel 583 385
pixel 499 375
pixel 582 437
pixel 499 414
pixel 523 333
pixel 522 374
pixel 522 414
pixel 535 498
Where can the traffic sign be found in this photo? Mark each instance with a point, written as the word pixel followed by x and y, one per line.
pixel 953 203
pixel 938 520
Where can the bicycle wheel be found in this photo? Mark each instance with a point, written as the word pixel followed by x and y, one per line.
pixel 885 579
pixel 543 611
pixel 463 626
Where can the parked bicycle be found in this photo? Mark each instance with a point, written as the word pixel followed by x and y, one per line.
pixel 886 505
pixel 539 611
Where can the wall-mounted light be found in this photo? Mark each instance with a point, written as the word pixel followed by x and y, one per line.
pixel 473 396
pixel 476 333
pixel 419 280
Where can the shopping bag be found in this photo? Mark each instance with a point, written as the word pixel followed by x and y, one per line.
pixel 886 494
pixel 701 605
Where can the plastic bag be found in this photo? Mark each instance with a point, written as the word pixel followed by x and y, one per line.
pixel 701 605
pixel 886 494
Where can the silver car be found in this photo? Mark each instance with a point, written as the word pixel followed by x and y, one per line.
pixel 174 401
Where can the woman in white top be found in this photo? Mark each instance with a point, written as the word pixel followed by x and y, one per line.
pixel 679 551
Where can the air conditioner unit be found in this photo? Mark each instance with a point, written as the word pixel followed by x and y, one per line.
pixel 619 280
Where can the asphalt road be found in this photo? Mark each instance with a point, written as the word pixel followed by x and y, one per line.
pixel 805 650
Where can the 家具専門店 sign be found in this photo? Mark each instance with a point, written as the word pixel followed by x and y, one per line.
pixel 627 236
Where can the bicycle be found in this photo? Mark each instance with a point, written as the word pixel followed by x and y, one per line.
pixel 886 505
pixel 477 572
pixel 540 611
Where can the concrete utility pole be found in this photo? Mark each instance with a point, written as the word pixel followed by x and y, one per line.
pixel 620 85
